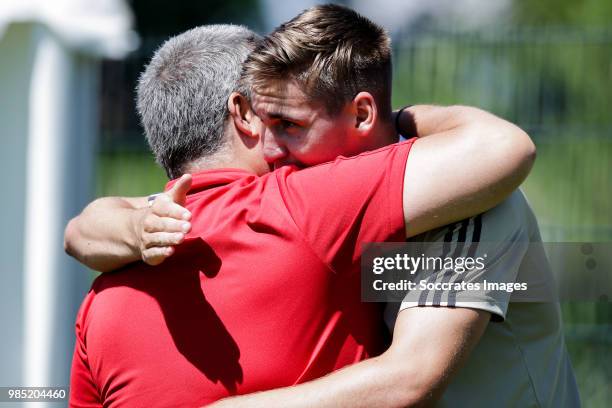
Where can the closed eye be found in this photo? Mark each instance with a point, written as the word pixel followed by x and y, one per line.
pixel 288 126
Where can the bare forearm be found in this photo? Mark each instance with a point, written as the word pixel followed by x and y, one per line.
pixel 369 384
pixel 428 120
pixel 413 372
pixel 112 232
pixel 103 236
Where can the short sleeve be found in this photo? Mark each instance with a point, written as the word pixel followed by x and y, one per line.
pixel 337 206
pixel 83 391
pixel 497 239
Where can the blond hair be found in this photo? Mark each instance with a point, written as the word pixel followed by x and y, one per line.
pixel 332 52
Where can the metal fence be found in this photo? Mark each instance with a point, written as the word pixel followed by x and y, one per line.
pixel 554 83
pixel 540 78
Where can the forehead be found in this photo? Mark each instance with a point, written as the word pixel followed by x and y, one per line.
pixel 283 98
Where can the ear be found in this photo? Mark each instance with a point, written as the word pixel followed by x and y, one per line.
pixel 241 113
pixel 366 112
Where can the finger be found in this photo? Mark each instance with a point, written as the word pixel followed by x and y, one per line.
pixel 178 192
pixel 162 239
pixel 164 207
pixel 153 223
pixel 156 255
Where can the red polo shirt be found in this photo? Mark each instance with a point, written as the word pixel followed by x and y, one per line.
pixel 264 293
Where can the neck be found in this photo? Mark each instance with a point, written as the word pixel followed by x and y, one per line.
pixel 239 152
pixel 384 135
pixel 213 162
pixel 226 158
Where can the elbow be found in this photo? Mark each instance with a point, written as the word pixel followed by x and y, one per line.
pixel 522 151
pixel 73 242
pixel 510 148
pixel 530 154
pixel 70 238
pixel 525 148
pixel 76 246
pixel 512 155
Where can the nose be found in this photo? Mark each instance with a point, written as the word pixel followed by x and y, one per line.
pixel 273 149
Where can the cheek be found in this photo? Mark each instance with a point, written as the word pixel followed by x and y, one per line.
pixel 321 147
pixel 312 150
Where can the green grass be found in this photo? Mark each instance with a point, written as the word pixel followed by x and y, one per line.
pixel 591 358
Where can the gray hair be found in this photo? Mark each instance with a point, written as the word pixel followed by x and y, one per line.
pixel 182 94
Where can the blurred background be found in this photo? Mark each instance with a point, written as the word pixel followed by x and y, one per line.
pixel 545 65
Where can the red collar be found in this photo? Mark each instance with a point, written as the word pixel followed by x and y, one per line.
pixel 212 178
